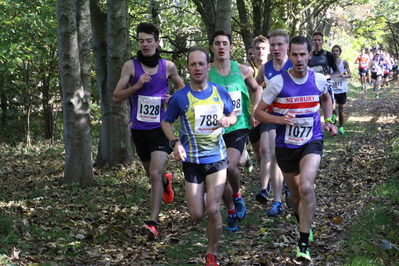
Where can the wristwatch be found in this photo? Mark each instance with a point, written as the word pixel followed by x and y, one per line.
pixel 172 143
pixel 329 120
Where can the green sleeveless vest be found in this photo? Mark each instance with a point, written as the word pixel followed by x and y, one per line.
pixel 235 85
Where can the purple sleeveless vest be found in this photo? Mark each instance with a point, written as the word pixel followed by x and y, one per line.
pixel 302 100
pixel 148 104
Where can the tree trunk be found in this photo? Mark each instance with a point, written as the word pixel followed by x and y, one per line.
pixel 393 28
pixel 245 28
pixel 223 15
pixel 257 16
pixel 155 12
pixel 84 36
pixel 47 109
pixel 76 100
pixel 207 10
pixel 26 104
pixel 4 104
pixel 115 141
pixel 267 17
pixel 216 15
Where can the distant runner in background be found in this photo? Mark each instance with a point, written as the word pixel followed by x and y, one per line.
pixel 363 62
pixel 340 85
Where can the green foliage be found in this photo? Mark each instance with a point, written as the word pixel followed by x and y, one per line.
pixel 102 223
pixel 8 234
pixel 180 25
pixel 28 44
pixel 28 60
pixel 364 240
pixel 5 261
pixel 373 232
pixel 13 132
pixel 29 31
pixel 390 190
pixel 371 23
pixel 96 120
pixel 350 48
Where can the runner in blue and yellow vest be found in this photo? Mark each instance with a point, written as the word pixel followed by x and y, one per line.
pixel 235 78
pixel 205 110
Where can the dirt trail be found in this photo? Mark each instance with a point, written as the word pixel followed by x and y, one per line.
pixel 111 223
pixel 348 172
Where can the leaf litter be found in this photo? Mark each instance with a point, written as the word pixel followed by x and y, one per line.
pixel 101 225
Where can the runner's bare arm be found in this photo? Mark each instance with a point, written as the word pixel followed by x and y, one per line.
pixel 122 91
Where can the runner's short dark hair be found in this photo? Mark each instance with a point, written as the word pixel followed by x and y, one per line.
pixel 149 28
pixel 301 40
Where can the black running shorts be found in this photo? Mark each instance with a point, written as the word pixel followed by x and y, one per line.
pixel 236 139
pixel 254 134
pixel 340 98
pixel 196 173
pixel 288 159
pixel 147 141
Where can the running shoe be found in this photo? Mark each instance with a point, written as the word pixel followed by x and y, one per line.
pixel 249 165
pixel 376 96
pixel 150 231
pixel 232 224
pixel 168 193
pixel 334 118
pixel 241 210
pixel 341 130
pixel 262 196
pixel 302 253
pixel 276 210
pixel 211 260
pixel 287 193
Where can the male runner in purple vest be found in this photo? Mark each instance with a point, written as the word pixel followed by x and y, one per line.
pixel 295 96
pixel 144 81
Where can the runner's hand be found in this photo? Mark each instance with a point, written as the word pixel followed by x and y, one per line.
pixel 224 122
pixel 330 127
pixel 179 153
pixel 288 119
pixel 144 78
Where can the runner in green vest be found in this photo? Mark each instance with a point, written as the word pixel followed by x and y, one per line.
pixel 235 78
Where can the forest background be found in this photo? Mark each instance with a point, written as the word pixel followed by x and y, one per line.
pixel 59 64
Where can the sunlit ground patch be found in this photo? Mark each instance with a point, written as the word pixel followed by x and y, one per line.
pixel 359 118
